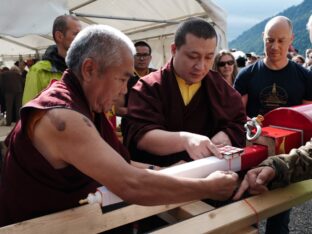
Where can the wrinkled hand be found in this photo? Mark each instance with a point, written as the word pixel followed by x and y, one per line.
pixel 223 184
pixel 199 146
pixel 255 181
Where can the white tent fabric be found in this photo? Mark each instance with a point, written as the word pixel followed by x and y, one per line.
pixel 25 26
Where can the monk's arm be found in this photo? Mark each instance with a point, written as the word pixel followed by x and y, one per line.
pixel 65 137
pixel 161 142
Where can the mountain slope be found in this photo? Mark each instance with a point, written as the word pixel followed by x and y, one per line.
pixel 251 40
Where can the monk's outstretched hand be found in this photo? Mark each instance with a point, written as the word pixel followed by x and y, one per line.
pixel 224 184
pixel 199 146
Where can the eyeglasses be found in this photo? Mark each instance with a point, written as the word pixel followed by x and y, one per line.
pixel 141 56
pixel 222 64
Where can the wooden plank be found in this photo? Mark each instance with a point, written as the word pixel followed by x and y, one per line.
pixel 235 216
pixel 190 210
pixel 247 230
pixel 85 219
pixel 185 212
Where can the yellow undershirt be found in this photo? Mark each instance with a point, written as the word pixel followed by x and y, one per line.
pixel 187 91
pixel 137 74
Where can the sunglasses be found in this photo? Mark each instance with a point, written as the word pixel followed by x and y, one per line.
pixel 222 64
pixel 142 56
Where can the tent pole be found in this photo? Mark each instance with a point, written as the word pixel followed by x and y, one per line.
pixel 127 18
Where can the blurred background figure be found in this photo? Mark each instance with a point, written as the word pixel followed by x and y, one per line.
pixel 22 65
pixel 240 58
pixel 142 60
pixel 298 59
pixel 225 64
pixel 308 60
pixel 251 58
pixel 2 102
pixel 50 68
pixel 12 90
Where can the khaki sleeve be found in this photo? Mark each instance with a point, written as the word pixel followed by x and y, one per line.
pixel 293 167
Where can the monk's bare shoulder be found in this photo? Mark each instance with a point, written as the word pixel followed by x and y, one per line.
pixel 57 121
pixel 87 121
pixel 62 118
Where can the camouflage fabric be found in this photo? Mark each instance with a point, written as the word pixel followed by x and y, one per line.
pixel 292 167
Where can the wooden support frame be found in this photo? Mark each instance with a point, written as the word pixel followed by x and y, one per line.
pixel 232 218
pixel 85 219
pixel 238 215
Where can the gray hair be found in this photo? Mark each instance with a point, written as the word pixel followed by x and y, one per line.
pixel 99 42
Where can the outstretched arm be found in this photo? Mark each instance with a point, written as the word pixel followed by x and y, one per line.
pixel 65 137
pixel 163 142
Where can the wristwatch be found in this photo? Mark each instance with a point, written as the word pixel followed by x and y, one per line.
pixel 151 167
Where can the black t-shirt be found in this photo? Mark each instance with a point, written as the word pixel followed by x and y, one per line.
pixel 269 89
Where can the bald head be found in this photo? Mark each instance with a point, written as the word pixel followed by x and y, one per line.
pixel 279 22
pixel 309 27
pixel 277 38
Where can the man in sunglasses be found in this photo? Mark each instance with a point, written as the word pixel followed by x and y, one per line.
pixel 142 60
pixel 184 110
pixel 275 82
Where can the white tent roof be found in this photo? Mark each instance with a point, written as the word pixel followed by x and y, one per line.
pixel 25 26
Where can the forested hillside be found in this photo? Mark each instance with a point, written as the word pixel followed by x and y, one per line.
pixel 251 40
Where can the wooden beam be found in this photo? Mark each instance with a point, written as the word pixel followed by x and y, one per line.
pixel 85 219
pixel 247 230
pixel 228 219
pixel 191 210
pixel 231 218
pixel 185 212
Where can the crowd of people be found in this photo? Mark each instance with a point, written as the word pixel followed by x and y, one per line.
pixel 63 146
pixel 12 81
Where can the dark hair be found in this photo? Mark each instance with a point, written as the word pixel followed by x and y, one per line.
pixel 300 57
pixel 143 43
pixel 5 69
pixel 60 24
pixel 241 61
pixel 196 26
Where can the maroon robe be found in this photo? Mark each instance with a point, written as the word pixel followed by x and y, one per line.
pixel 30 186
pixel 155 102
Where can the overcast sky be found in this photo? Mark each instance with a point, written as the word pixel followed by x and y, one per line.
pixel 243 14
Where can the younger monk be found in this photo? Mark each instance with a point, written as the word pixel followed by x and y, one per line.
pixel 182 111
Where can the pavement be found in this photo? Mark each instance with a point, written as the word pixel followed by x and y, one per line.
pixel 4 130
pixel 300 219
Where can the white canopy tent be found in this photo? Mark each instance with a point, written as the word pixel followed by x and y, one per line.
pixel 25 26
